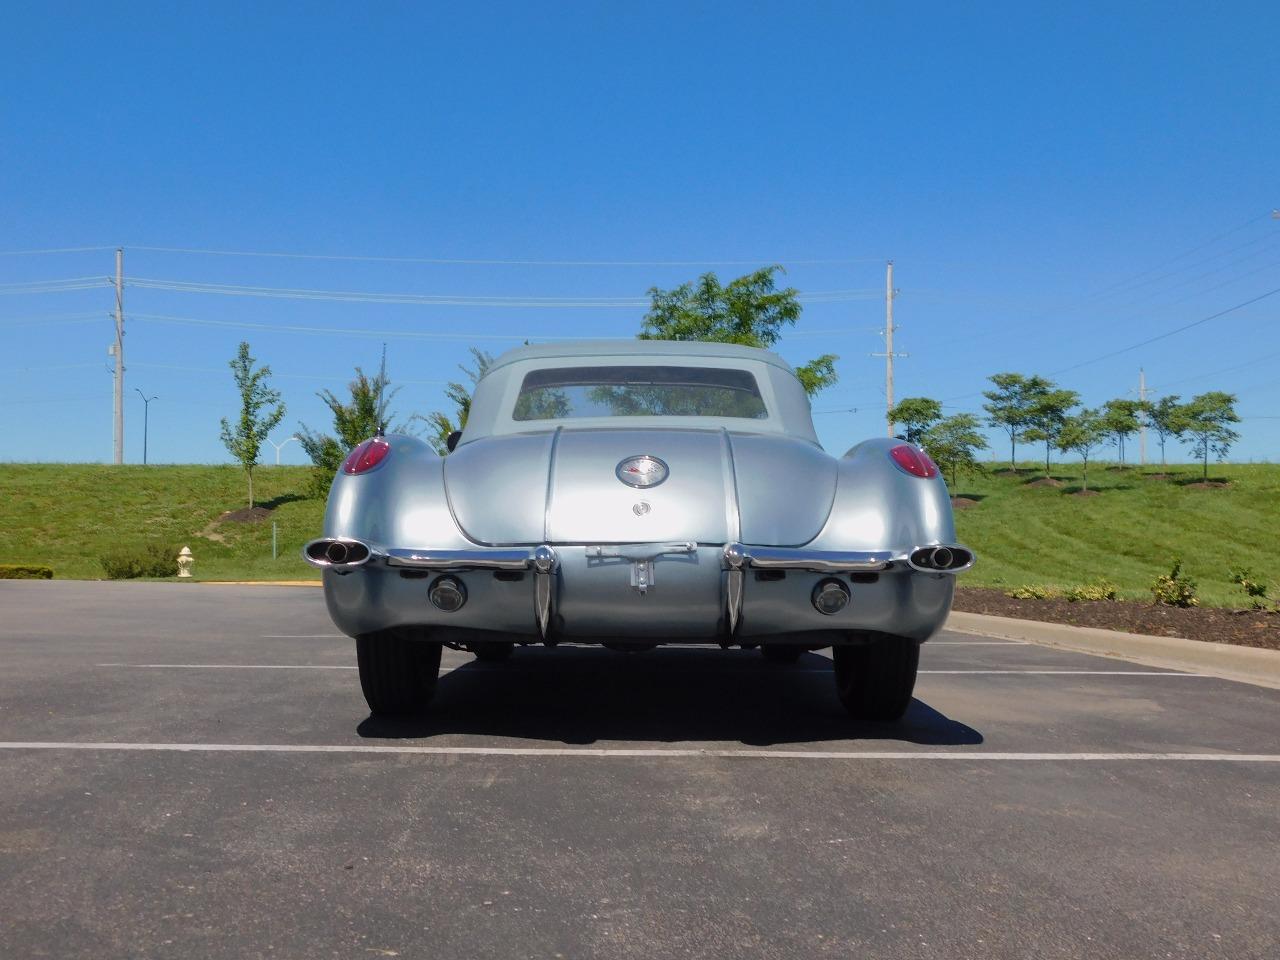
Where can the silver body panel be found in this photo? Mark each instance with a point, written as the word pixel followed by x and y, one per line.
pixel 533 518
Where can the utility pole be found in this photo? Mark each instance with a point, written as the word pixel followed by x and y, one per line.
pixel 118 350
pixel 1142 418
pixel 889 294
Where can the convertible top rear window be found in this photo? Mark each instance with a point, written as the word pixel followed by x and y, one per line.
pixel 639 391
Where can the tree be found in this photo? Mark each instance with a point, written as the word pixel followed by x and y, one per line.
pixel 917 415
pixel 1082 434
pixel 440 424
pixel 1011 403
pixel 260 412
pixel 748 311
pixel 1166 418
pixel 1120 418
pixel 954 442
pixel 1048 414
pixel 354 421
pixel 1205 421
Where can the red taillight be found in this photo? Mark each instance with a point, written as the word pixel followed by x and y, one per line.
pixel 366 456
pixel 914 461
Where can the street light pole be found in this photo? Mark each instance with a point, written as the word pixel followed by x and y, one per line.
pixel 146 417
pixel 280 446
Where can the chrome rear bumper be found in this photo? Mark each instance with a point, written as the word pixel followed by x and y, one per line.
pixel 735 558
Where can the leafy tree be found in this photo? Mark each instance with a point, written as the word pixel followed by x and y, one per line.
pixel 916 415
pixel 353 422
pixel 1206 420
pixel 1165 416
pixel 954 442
pixel 1120 417
pixel 440 423
pixel 1011 404
pixel 1048 414
pixel 260 412
pixel 1082 434
pixel 748 311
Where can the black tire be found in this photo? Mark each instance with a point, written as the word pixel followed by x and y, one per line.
pixel 492 651
pixel 874 680
pixel 398 671
pixel 781 652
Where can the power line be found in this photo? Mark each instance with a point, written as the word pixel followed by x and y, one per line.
pixel 32 253
pixel 284 376
pixel 344 296
pixel 1168 333
pixel 53 286
pixel 523 262
pixel 50 319
pixel 356 332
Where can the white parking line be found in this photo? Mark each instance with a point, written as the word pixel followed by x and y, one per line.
pixel 304 636
pixel 1083 673
pixel 973 756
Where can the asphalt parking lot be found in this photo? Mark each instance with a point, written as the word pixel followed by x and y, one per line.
pixel 191 771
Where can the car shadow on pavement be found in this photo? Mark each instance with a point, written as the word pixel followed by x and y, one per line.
pixel 583 696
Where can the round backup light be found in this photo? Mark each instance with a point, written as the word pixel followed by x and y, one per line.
pixel 366 456
pixel 911 459
pixel 830 597
pixel 447 594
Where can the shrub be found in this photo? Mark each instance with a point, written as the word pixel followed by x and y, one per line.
pixel 1092 592
pixel 25 571
pixel 1033 591
pixel 1175 589
pixel 1255 590
pixel 145 560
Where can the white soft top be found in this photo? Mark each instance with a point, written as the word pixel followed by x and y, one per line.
pixel 495 395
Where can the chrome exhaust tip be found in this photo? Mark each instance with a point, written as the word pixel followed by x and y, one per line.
pixel 334 552
pixel 940 559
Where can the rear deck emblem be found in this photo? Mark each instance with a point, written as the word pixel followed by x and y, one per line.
pixel 643 471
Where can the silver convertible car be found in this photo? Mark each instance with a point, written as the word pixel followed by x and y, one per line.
pixel 632 494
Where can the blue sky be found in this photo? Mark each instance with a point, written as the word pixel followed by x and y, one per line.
pixel 1054 184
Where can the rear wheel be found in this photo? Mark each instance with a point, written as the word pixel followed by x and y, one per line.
pixel 491 651
pixel 874 680
pixel 781 652
pixel 398 671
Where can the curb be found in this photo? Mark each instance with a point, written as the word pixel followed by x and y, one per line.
pixel 1230 662
pixel 261 583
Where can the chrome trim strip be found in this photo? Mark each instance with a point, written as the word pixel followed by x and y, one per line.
pixel 551 479
pixel 818 561
pixel 640 552
pixel 460 559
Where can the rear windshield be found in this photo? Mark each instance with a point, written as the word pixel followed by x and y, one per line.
pixel 642 391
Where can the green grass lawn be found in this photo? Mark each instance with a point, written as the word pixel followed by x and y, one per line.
pixel 67 516
pixel 1129 533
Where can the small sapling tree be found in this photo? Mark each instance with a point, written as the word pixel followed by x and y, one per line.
pixel 1206 420
pixel 915 415
pixel 1082 434
pixel 954 442
pixel 260 412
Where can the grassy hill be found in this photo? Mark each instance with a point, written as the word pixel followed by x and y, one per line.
pixel 1026 533
pixel 67 516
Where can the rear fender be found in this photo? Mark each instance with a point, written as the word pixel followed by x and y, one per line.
pixel 399 503
pixel 879 507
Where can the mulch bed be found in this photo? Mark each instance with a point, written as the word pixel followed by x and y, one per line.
pixel 963 503
pixel 1247 628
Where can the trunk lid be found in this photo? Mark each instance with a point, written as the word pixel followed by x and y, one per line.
pixel 565 488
